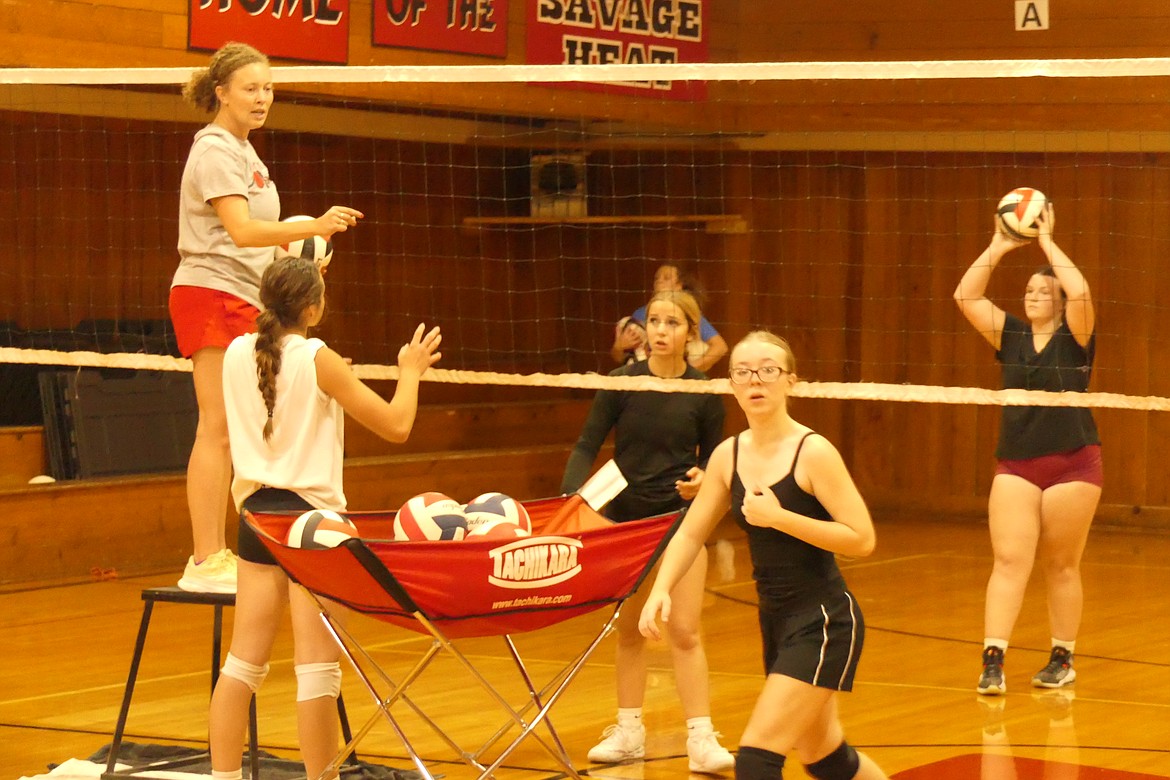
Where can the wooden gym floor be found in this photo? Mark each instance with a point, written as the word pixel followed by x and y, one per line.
pixel 914 709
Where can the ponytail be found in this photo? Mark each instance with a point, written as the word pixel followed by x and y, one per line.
pixel 287 289
pixel 268 333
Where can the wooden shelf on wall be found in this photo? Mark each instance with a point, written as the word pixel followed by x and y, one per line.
pixel 712 223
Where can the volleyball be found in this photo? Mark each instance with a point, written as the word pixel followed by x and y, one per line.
pixel 1019 210
pixel 497 529
pixel 491 507
pixel 319 529
pixel 430 516
pixel 311 248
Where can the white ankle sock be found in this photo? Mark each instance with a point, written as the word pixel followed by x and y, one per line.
pixel 236 775
pixel 629 717
pixel 699 724
pixel 991 641
pixel 1067 645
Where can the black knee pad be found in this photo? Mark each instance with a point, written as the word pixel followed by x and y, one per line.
pixel 758 764
pixel 841 764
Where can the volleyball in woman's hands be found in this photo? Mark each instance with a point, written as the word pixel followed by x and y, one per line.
pixel 311 248
pixel 1018 212
pixel 319 529
pixel 430 516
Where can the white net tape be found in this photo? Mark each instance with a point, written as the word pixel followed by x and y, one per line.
pixel 861 391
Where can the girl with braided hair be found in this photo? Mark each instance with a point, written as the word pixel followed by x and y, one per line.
pixel 285 395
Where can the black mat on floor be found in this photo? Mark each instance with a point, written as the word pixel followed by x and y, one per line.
pixel 271 767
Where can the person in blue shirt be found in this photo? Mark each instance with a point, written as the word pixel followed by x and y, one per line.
pixel 629 342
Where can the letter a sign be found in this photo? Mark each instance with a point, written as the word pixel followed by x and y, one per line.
pixel 1031 14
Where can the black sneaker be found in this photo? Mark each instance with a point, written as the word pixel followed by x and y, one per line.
pixel 991 681
pixel 1059 672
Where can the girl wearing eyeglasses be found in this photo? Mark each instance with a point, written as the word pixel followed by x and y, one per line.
pixel 789 489
pixel 661 444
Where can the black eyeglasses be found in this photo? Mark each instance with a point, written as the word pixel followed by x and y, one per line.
pixel 766 374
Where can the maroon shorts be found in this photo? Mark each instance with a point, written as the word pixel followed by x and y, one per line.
pixel 209 318
pixel 1080 465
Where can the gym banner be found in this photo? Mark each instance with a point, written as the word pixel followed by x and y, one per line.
pixel 459 26
pixel 312 30
pixel 605 32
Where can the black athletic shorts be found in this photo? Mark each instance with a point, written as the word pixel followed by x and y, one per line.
pixel 820 644
pixel 266 500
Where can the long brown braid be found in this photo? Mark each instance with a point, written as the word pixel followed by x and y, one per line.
pixel 287 289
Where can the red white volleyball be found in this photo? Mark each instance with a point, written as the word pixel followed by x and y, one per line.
pixel 1019 210
pixel 430 516
pixel 490 507
pixel 319 529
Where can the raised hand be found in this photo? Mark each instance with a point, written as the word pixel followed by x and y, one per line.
pixel 421 352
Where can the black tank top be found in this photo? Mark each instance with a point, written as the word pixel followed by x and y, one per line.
pixel 789 572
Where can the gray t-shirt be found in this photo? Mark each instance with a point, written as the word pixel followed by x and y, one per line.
pixel 221 164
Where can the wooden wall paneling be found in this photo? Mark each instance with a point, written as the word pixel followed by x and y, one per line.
pixel 879 338
pixel 1154 253
pixel 1121 220
pixel 738 276
pixel 22 454
pixel 952 105
pixel 84 35
pixel 912 30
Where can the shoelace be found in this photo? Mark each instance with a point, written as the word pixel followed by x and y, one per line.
pixel 1057 663
pixel 616 731
pixel 993 658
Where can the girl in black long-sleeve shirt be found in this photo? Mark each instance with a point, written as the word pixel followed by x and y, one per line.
pixel 662 443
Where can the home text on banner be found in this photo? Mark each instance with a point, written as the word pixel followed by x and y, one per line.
pixel 602 32
pixel 460 26
pixel 313 30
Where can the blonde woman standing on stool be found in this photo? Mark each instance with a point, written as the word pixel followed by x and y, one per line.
pixel 789 489
pixel 1048 478
pixel 229 214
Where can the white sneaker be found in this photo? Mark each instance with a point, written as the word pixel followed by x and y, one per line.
pixel 216 574
pixel 619 743
pixel 707 755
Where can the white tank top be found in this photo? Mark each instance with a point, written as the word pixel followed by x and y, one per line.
pixel 305 452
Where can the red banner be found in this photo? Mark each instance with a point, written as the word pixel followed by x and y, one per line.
pixel 313 30
pixel 461 26
pixel 605 32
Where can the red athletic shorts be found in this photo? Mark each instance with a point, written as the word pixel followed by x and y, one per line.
pixel 1079 465
pixel 209 318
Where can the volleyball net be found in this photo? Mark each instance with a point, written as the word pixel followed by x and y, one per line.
pixel 525 210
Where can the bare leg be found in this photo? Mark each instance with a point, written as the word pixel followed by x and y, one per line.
pixel 260 600
pixel 1066 513
pixel 317 721
pixel 630 654
pixel 209 468
pixel 1014 519
pixel 686 642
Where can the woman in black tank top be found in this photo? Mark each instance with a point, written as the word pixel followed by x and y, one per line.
pixel 1048 476
pixel 789 489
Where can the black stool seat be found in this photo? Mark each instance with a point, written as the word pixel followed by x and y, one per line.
pixel 175 595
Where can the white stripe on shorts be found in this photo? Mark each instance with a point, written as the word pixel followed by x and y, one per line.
pixel 824 644
pixel 852 641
